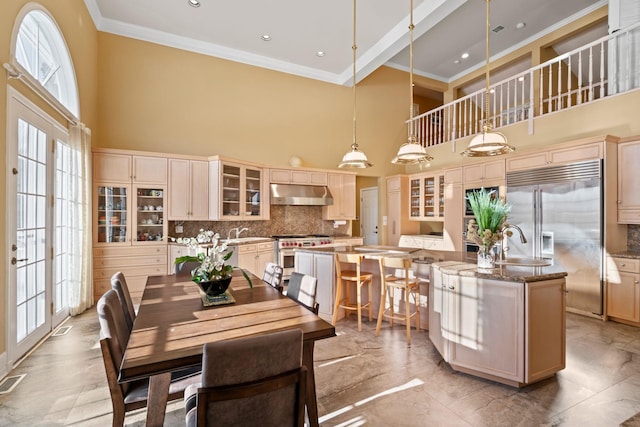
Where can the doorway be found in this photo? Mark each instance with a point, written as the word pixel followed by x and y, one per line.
pixel 369 215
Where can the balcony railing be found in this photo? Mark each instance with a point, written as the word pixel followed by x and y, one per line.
pixel 599 69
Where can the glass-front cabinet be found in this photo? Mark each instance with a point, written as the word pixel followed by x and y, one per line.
pixel 426 197
pixel 129 215
pixel 113 219
pixel 150 225
pixel 237 191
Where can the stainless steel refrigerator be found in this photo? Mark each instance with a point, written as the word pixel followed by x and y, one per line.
pixel 559 210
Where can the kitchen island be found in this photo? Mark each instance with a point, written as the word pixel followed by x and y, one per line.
pixel 505 324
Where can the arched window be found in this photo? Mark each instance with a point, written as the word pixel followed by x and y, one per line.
pixel 41 51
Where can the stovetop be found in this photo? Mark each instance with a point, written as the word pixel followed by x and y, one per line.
pixel 299 236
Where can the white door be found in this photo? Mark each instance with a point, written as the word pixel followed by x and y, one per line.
pixel 30 225
pixel 369 215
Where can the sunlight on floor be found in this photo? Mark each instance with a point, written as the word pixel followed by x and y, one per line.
pixel 358 421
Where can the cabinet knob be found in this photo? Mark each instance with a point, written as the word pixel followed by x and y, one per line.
pixel 618 201
pixel 636 282
pixel 623 265
pixel 451 287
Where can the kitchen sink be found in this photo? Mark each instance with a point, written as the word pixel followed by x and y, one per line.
pixel 241 240
pixel 524 262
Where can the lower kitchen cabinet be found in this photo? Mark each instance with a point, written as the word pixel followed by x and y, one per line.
pixel 510 332
pixel 320 266
pixel 135 262
pixel 254 257
pixel 623 290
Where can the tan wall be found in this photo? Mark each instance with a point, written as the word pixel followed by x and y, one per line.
pixel 81 36
pixel 155 98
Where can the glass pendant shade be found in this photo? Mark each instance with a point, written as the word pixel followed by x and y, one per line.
pixel 355 159
pixel 488 144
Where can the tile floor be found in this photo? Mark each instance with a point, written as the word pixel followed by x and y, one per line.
pixel 364 380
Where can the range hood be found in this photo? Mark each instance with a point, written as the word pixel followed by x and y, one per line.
pixel 300 195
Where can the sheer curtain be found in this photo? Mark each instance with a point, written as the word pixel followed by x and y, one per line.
pixel 78 190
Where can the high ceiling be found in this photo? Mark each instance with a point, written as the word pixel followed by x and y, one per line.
pixel 444 29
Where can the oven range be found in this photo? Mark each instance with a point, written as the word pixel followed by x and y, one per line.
pixel 288 242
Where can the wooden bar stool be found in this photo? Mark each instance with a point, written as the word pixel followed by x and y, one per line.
pixel 351 275
pixel 408 285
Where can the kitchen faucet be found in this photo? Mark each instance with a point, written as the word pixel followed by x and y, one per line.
pixel 238 230
pixel 504 249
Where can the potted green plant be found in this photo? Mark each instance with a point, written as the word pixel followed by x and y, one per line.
pixel 486 228
pixel 213 275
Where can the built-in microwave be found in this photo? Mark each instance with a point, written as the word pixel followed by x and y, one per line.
pixel 495 191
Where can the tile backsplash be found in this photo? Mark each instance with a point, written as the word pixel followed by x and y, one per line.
pixel 633 237
pixel 284 220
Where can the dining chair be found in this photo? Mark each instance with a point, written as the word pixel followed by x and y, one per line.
pixel 400 279
pixel 348 271
pixel 302 288
pixel 119 284
pixel 273 275
pixel 114 336
pixel 185 268
pixel 256 380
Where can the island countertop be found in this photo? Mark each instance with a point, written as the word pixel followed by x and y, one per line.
pixel 458 263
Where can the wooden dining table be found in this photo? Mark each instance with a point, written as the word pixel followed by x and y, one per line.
pixel 172 325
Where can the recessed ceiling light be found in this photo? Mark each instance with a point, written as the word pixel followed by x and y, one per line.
pixel 265 37
pixel 320 53
pixel 492 91
pixel 193 3
pixel 457 61
pixel 464 55
pixel 520 25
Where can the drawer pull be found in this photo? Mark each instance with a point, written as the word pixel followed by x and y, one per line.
pixel 623 265
pixel 636 282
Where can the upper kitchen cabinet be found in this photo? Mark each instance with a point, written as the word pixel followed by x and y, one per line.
pixel 398 210
pixel 484 174
pixel 343 189
pixel 188 190
pixel 454 207
pixel 237 191
pixel 565 155
pixel 120 167
pixel 297 176
pixel 628 182
pixel 426 197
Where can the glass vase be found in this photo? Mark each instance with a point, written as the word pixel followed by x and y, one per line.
pixel 486 258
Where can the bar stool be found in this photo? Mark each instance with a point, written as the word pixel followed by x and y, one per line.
pixel 407 284
pixel 351 275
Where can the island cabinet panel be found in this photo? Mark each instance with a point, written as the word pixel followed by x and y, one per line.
pixel 476 307
pixel 545 329
pixel 321 266
pixel 508 331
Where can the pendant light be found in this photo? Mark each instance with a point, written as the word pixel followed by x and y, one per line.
pixel 487 143
pixel 411 152
pixel 354 158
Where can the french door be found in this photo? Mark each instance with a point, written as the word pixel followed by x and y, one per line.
pixel 37 300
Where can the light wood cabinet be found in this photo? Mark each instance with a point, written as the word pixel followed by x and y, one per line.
pixel 237 191
pixel 135 262
pixel 188 190
pixel 454 208
pixel 623 290
pixel 511 332
pixel 558 156
pixel 254 257
pixel 296 176
pixel 628 183
pixel 343 189
pixel 484 174
pixel 116 167
pixel 322 267
pixel 398 210
pixel 426 197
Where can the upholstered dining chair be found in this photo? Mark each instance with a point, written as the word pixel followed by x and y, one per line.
pixel 302 288
pixel 273 275
pixel 114 336
pixel 257 380
pixel 119 284
pixel 395 274
pixel 185 268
